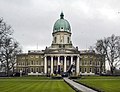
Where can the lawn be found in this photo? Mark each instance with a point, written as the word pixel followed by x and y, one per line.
pixel 103 83
pixel 33 84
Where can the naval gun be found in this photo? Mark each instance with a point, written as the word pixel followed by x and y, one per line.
pixel 68 72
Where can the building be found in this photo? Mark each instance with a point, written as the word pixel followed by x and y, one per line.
pixel 60 55
pixel 91 63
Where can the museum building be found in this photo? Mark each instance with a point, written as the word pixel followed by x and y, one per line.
pixel 60 56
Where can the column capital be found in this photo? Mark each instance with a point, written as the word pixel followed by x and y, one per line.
pixel 45 55
pixel 78 56
pixel 65 56
pixel 51 56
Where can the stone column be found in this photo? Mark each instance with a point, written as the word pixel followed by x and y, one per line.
pixel 58 65
pixel 45 65
pixel 58 60
pixel 65 64
pixel 71 60
pixel 77 65
pixel 52 65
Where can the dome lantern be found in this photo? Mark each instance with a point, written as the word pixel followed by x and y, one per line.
pixel 61 15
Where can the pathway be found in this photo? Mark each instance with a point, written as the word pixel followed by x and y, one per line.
pixel 79 86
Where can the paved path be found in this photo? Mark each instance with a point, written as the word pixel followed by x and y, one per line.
pixel 79 86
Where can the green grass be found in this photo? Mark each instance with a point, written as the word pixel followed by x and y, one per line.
pixel 33 84
pixel 100 77
pixel 103 83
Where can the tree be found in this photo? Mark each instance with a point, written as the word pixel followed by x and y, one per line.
pixel 9 47
pixel 110 47
pixel 100 48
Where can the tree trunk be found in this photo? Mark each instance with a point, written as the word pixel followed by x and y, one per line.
pixel 111 70
pixel 101 66
pixel 13 69
pixel 7 67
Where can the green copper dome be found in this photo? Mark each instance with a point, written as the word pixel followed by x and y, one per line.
pixel 61 24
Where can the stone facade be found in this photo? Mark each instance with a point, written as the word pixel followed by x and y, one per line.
pixel 91 63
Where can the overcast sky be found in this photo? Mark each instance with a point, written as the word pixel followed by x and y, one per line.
pixel 33 20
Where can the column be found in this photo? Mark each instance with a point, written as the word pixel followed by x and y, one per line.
pixel 71 60
pixel 45 65
pixel 52 65
pixel 65 64
pixel 77 65
pixel 58 65
pixel 58 60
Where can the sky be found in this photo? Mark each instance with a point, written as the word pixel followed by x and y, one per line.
pixel 33 20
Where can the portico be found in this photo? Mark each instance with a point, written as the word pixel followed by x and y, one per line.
pixel 52 62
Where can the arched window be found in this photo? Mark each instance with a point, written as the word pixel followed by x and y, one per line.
pixel 68 39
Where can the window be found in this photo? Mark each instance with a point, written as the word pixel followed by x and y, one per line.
pixel 37 70
pixel 85 69
pixel 68 40
pixel 63 46
pixel 90 69
pixel 90 62
pixel 40 62
pixel 22 63
pixel 31 69
pixel 98 70
pixel 55 39
pixel 60 46
pixel 98 63
pixel 85 62
pixel 80 69
pixel 31 62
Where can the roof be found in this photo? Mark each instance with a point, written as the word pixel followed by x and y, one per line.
pixel 61 24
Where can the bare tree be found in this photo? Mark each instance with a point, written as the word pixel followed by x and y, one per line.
pixel 110 47
pixel 100 48
pixel 9 47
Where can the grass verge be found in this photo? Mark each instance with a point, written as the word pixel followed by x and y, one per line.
pixel 33 84
pixel 102 83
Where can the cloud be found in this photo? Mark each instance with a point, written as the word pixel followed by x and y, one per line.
pixel 33 20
